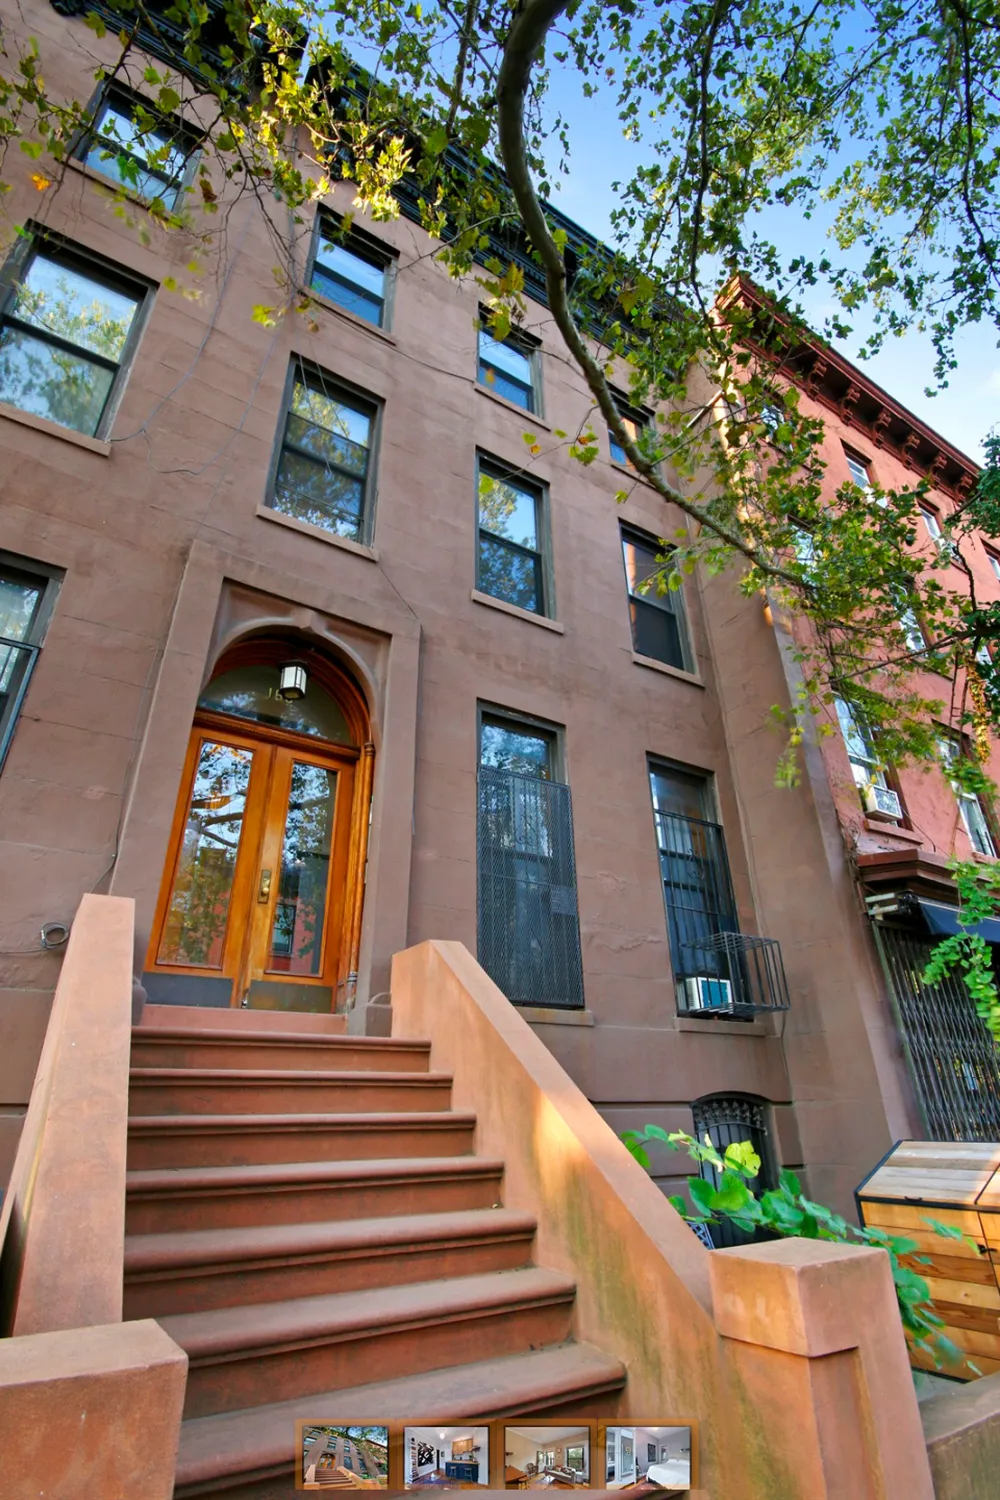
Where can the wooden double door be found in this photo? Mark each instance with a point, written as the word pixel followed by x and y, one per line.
pixel 260 894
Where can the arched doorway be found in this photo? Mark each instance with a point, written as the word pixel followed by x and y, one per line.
pixel 260 903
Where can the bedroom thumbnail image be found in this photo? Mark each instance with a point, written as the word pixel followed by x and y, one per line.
pixel 642 1460
pixel 347 1458
pixel 446 1458
pixel 544 1458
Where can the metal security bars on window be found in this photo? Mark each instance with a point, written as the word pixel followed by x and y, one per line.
pixel 529 929
pixel 323 469
pixel 727 1122
pixel 952 1059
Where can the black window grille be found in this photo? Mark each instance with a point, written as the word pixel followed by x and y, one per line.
pixel 26 600
pixel 529 928
pixel 698 893
pixel 727 1122
pixel 951 1055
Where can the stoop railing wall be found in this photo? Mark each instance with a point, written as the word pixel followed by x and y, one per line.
pixel 68 1364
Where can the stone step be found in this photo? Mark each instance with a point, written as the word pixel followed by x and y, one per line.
pixel 239 1356
pixel 251 1453
pixel 212 1268
pixel 306 1192
pixel 248 1140
pixel 235 1019
pixel 232 1091
pixel 201 1047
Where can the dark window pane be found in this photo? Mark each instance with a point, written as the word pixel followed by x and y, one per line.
pixel 49 382
pixel 641 567
pixel 655 633
pixel 508 573
pixel 679 792
pixel 313 492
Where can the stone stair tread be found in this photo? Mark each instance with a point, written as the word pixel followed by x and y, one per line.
pixel 260 1440
pixel 351 1119
pixel 301 1076
pixel 270 1038
pixel 275 1174
pixel 315 1320
pixel 182 1249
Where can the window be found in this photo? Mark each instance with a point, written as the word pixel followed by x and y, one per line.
pixel 353 272
pixel 994 562
pixel 805 546
pixel 126 145
pixel 513 539
pixel 27 595
pixel 658 626
pixel 509 368
pixel 865 763
pixel 727 1122
pixel 973 813
pixel 529 928
pixel 694 868
pixel 67 326
pixel 324 468
pixel 635 422
pixel 858 470
pixel 909 621
pixel 937 536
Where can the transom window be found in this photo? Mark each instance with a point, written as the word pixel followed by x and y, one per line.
pixel 65 331
pixel 352 274
pixel 512 539
pixel 509 368
pixel 324 468
pixel 970 807
pixel 658 626
pixel 126 144
pixel 26 600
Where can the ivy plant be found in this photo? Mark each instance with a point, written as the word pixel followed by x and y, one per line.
pixel 786 1212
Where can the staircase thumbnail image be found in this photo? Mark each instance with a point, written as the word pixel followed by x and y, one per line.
pixel 347 1458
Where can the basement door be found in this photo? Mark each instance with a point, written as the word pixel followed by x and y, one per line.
pixel 255 901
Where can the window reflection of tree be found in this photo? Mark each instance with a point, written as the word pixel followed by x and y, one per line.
pixel 195 928
pixel 297 930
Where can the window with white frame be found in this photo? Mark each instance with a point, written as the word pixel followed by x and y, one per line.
pixel 909 620
pixel 994 562
pixel 932 526
pixel 67 325
pixel 973 813
pixel 867 768
pixel 858 470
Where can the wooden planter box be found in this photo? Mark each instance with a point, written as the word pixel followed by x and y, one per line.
pixel 958 1184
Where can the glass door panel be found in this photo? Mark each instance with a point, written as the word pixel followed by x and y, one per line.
pixel 197 916
pixel 299 921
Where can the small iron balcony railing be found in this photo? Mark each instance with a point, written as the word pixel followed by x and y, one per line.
pixel 717 969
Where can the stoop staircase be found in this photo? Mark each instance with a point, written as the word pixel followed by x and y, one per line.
pixel 306 1217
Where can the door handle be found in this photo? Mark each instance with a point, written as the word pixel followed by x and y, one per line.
pixel 264 889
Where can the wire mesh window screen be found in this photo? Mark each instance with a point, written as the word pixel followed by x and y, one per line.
pixel 529 927
pixel 952 1058
pixel 726 1122
pixel 698 893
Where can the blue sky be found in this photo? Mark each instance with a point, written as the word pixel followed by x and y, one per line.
pixel 963 413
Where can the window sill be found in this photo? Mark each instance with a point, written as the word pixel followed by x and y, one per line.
pixel 886 825
pixel 306 528
pixel 348 316
pixel 727 1025
pixel 667 670
pixel 526 416
pixel 55 429
pixel 545 1015
pixel 517 612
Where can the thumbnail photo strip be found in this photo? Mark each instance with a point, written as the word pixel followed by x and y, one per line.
pixel 640 1458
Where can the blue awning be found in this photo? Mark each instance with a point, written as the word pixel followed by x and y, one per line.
pixel 943 921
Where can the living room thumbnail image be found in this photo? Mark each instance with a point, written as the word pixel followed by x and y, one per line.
pixel 447 1458
pixel 644 1460
pixel 542 1458
pixel 344 1457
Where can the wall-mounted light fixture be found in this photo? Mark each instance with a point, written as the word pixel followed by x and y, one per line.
pixel 292 682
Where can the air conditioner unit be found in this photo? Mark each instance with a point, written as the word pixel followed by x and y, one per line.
pixel 881 799
pixel 707 993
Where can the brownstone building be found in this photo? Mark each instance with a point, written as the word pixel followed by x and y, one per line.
pixel 305 653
